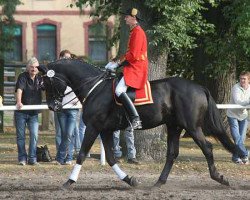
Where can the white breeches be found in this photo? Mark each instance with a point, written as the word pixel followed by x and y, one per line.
pixel 121 87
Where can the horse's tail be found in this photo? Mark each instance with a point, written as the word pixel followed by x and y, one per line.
pixel 214 125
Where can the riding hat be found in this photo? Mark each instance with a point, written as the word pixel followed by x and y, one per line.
pixel 134 12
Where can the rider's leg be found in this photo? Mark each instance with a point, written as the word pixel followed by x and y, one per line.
pixel 120 91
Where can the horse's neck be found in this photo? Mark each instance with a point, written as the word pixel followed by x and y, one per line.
pixel 85 86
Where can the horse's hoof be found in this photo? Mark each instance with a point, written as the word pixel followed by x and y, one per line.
pixel 67 185
pixel 131 181
pixel 159 183
pixel 224 181
pixel 134 182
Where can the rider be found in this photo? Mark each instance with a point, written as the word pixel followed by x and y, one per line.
pixel 135 63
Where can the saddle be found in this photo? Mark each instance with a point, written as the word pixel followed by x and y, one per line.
pixel 138 96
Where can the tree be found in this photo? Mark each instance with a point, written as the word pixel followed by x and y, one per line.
pixel 221 55
pixel 7 24
pixel 172 28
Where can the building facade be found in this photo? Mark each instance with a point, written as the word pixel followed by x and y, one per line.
pixel 45 27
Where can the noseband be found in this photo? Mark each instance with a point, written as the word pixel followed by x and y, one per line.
pixel 56 94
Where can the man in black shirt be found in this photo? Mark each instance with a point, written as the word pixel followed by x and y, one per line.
pixel 28 92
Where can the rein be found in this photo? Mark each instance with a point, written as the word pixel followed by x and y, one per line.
pixel 102 77
pixel 91 90
pixel 77 89
pixel 98 80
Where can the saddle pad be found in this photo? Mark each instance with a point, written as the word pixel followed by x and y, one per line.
pixel 142 96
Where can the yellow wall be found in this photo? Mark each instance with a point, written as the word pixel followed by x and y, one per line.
pixel 72 29
pixel 46 5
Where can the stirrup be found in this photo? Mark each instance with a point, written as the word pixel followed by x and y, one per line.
pixel 136 124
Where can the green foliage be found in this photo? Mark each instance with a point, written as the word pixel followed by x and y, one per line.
pixel 176 26
pixel 230 46
pixel 177 23
pixel 174 22
pixel 179 63
pixel 7 24
pixel 103 8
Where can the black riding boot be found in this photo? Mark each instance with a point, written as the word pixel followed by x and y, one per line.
pixel 131 111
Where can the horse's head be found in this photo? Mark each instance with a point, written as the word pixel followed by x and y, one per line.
pixel 55 86
pixel 76 74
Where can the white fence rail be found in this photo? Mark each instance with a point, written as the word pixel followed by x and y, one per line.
pixel 232 106
pixel 102 160
pixel 45 107
pixel 35 107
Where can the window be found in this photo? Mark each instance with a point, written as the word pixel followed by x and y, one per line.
pixel 98 43
pixel 46 42
pixel 15 54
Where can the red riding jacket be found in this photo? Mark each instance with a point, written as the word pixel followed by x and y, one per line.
pixel 136 72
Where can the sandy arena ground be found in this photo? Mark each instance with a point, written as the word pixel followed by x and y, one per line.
pixel 37 182
pixel 189 179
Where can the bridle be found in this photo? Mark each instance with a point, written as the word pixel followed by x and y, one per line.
pixel 57 95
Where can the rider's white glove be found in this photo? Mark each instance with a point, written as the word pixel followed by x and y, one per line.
pixel 112 66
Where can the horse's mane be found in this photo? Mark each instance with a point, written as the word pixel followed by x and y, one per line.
pixel 77 64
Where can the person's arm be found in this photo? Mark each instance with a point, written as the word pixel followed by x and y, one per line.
pixel 19 93
pixel 239 98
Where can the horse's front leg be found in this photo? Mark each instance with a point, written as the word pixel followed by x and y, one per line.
pixel 88 140
pixel 107 139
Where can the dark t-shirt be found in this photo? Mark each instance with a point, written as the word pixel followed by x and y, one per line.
pixel 32 92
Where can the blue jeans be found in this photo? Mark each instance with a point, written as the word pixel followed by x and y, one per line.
pixel 67 121
pixel 74 145
pixel 58 131
pixel 31 121
pixel 129 138
pixel 82 129
pixel 238 130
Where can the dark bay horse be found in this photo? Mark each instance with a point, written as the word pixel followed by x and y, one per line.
pixel 178 103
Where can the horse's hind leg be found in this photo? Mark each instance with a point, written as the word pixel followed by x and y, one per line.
pixel 207 150
pixel 107 139
pixel 88 140
pixel 172 153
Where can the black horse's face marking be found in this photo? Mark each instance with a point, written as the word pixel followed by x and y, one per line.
pixel 55 88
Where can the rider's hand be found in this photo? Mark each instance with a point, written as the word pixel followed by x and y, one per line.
pixel 112 66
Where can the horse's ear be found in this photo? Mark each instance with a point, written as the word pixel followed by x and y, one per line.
pixel 43 69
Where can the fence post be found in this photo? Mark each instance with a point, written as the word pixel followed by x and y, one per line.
pixel 45 120
pixel 45 117
pixel 1 91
